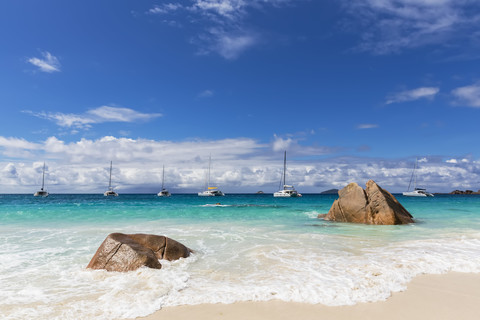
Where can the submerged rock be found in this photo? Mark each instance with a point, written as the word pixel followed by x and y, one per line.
pixel 373 205
pixel 127 252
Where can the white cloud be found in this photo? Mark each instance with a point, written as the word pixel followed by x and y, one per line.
pixel 230 9
pixel 457 161
pixel 165 8
pixel 94 116
pixel 415 94
pixel 367 126
pixel 468 95
pixel 48 64
pixel 281 144
pixel 18 143
pixel 393 25
pixel 223 30
pixel 206 94
pixel 229 45
pixel 238 165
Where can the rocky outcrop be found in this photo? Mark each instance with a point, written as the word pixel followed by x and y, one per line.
pixel 127 252
pixel 464 192
pixel 373 205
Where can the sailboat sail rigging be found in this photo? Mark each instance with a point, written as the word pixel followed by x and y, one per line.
pixel 286 191
pixel 42 192
pixel 416 192
pixel 210 191
pixel 164 192
pixel 110 191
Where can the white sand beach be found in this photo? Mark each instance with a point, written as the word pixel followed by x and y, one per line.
pixel 450 296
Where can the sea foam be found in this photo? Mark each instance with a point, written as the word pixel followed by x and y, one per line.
pixel 242 253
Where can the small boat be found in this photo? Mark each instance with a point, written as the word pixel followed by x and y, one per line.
pixel 110 192
pixel 164 192
pixel 210 191
pixel 288 191
pixel 416 192
pixel 42 192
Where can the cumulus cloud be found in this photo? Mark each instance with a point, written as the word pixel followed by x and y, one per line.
pixel 95 116
pixel 468 96
pixel 238 165
pixel 281 144
pixel 414 94
pixel 391 26
pixel 48 63
pixel 457 161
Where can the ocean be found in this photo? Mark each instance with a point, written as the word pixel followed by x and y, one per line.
pixel 251 248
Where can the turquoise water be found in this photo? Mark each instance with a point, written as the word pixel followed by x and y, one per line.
pixel 252 247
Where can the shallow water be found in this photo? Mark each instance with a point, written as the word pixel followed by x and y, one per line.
pixel 252 247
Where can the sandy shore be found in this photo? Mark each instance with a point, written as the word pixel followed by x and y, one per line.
pixel 451 296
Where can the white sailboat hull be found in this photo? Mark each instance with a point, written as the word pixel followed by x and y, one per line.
pixel 41 193
pixel 280 194
pixel 164 193
pixel 211 193
pixel 287 193
pixel 417 193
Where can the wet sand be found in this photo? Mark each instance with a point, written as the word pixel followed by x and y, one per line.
pixel 450 296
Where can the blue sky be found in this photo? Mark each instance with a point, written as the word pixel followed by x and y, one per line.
pixel 352 90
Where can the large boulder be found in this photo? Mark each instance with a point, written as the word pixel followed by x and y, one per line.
pixel 373 205
pixel 127 252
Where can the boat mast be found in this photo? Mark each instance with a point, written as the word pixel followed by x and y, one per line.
pixel 163 176
pixel 209 164
pixel 110 180
pixel 43 177
pixel 284 167
pixel 413 176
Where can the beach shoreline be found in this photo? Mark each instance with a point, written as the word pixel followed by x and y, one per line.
pixel 447 296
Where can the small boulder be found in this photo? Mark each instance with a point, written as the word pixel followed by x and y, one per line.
pixel 127 252
pixel 373 205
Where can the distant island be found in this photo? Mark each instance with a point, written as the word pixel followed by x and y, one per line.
pixel 331 191
pixel 464 192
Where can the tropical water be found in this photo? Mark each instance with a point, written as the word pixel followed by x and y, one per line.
pixel 252 248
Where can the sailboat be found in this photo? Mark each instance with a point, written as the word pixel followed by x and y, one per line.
pixel 42 192
pixel 287 191
pixel 110 191
pixel 164 192
pixel 210 191
pixel 416 192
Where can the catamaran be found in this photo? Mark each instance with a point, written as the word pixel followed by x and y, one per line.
pixel 416 192
pixel 288 191
pixel 42 192
pixel 110 191
pixel 164 192
pixel 210 191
